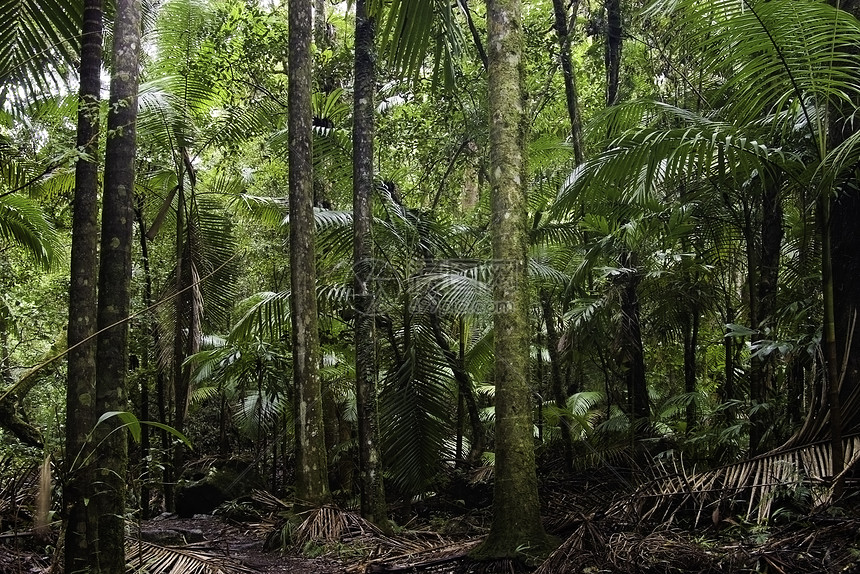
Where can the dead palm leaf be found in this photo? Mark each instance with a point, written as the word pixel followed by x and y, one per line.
pixel 752 484
pixel 147 558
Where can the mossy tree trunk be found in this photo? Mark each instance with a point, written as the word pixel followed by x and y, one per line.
pixel 366 394
pixel 80 549
pixel 516 529
pixel 312 469
pixel 114 283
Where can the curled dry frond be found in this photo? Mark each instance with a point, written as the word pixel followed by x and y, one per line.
pixel 148 558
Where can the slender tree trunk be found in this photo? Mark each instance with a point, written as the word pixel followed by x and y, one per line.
pixel 516 510
pixel 80 546
pixel 691 343
pixel 758 422
pixel 571 93
pixel 311 465
pixel 558 391
pixel 114 284
pixel 464 387
pixel 831 353
pixel 366 393
pixel 631 332
pixel 764 367
pixel 613 50
pixel 149 353
pixel 181 332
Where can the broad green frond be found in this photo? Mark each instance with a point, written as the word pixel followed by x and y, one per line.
pixel 774 57
pixel 39 41
pixel 23 224
pixel 412 30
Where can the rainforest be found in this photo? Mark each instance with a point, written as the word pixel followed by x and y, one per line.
pixel 551 286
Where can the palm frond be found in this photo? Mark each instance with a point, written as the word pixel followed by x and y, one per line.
pixel 39 41
pixel 410 30
pixel 415 405
pixel 148 558
pixel 22 223
pixel 747 487
pixel 268 318
pixel 775 57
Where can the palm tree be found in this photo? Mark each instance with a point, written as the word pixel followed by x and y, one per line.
pixel 516 512
pixel 366 391
pixel 312 475
pixel 114 283
pixel 81 523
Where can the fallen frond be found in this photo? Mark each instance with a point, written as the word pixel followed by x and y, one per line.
pixel 825 544
pixel 147 558
pixel 749 487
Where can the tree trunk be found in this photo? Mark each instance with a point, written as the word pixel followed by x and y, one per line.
pixel 311 467
pixel 181 333
pixel 831 353
pixel 571 94
pixel 366 393
pixel 766 286
pixel 613 50
pixel 465 391
pixel 80 546
pixel 691 343
pixel 558 391
pixel 631 334
pixel 114 284
pixel 516 510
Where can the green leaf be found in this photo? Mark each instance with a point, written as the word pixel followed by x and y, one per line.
pixel 130 421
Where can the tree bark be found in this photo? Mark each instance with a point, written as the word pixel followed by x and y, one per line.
pixel 613 50
pixel 516 510
pixel 114 286
pixel 80 546
pixel 562 30
pixel 366 392
pixel 311 466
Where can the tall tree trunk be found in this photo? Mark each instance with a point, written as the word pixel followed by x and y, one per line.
pixel 181 333
pixel 311 466
pixel 758 422
pixel 831 353
pixel 613 50
pixel 366 393
pixel 516 509
pixel 562 30
pixel 114 283
pixel 841 267
pixel 80 546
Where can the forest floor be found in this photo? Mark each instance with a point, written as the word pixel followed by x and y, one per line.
pixel 438 534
